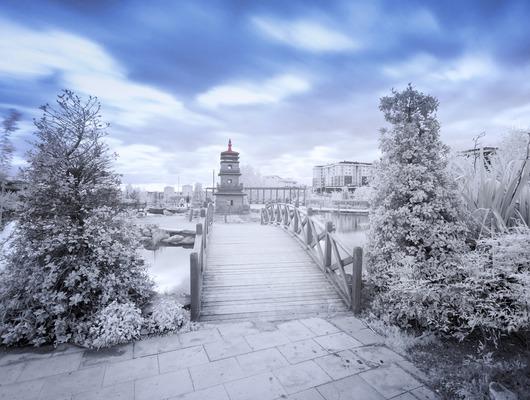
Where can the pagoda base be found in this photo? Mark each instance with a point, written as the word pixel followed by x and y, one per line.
pixel 231 204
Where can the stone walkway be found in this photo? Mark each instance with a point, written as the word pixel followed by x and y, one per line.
pixel 307 359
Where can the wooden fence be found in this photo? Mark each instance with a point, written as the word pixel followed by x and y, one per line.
pixel 326 250
pixel 198 259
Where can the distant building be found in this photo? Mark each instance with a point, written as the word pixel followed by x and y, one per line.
pixel 187 190
pixel 277 181
pixel 169 193
pixel 340 175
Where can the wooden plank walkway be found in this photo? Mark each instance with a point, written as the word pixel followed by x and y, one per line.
pixel 259 272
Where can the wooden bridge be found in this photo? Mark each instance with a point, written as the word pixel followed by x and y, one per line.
pixel 289 266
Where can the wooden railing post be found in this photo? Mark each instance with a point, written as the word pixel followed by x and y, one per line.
pixel 295 221
pixel 198 231
pixel 327 248
pixel 195 286
pixel 356 279
pixel 309 232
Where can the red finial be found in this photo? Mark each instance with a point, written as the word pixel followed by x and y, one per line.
pixel 229 144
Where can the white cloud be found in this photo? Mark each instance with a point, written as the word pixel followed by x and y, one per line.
pixel 247 93
pixel 86 67
pixel 428 68
pixel 307 35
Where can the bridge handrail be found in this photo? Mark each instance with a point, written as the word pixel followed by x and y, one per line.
pixel 330 254
pixel 198 259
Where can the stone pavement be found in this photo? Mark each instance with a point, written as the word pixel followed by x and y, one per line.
pixel 308 359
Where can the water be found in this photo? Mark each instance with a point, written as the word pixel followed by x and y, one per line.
pixel 351 229
pixel 169 266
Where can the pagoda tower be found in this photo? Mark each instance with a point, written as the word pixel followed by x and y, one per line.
pixel 229 197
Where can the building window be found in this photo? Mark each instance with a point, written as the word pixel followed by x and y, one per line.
pixel 229 166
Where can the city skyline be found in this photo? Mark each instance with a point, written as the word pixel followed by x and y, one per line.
pixel 294 84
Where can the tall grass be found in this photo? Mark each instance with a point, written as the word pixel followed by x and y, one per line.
pixel 496 189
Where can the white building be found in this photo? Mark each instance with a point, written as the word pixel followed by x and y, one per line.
pixel 187 190
pixel 343 174
pixel 169 192
pixel 277 181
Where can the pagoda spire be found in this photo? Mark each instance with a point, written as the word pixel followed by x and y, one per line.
pixel 229 144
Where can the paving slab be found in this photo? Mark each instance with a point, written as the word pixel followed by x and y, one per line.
pixel 263 387
pixel 212 393
pixel 368 337
pixel 155 345
pixel 9 373
pixel 121 391
pixel 348 324
pixel 230 330
pixel 109 355
pixel 131 369
pixel 413 370
pixel 199 337
pixel 182 358
pixel 72 383
pixel 424 393
pixel 378 355
pixel 216 372
pixel 310 394
pixel 21 391
pixel 12 356
pixel 337 342
pixel 295 330
pixel 319 326
pixel 350 388
pixel 302 350
pixel 342 364
pixel 228 347
pixel 49 366
pixel 262 360
pixel 390 381
pixel 405 396
pixel 265 340
pixel 162 386
pixel 299 377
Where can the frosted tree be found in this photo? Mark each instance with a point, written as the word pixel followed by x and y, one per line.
pixel 415 225
pixel 74 252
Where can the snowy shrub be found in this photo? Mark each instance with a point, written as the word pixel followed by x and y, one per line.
pixel 168 315
pixel 116 323
pixel 415 218
pixel 73 252
pixel 416 230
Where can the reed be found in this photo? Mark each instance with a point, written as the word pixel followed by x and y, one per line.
pixel 496 190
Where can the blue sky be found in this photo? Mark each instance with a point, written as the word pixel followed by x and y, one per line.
pixel 293 83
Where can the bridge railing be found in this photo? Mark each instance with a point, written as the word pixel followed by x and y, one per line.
pixel 323 246
pixel 198 259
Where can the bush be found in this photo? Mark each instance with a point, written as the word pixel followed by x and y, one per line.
pixel 73 252
pixel 486 293
pixel 117 323
pixel 168 316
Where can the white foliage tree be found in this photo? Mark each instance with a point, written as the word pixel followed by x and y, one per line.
pixel 74 252
pixel 415 225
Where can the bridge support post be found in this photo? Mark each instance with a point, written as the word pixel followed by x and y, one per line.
pixel 356 279
pixel 195 286
pixel 327 248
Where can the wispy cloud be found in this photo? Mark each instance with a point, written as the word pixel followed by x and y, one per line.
pixel 431 69
pixel 86 67
pixel 250 93
pixel 306 35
